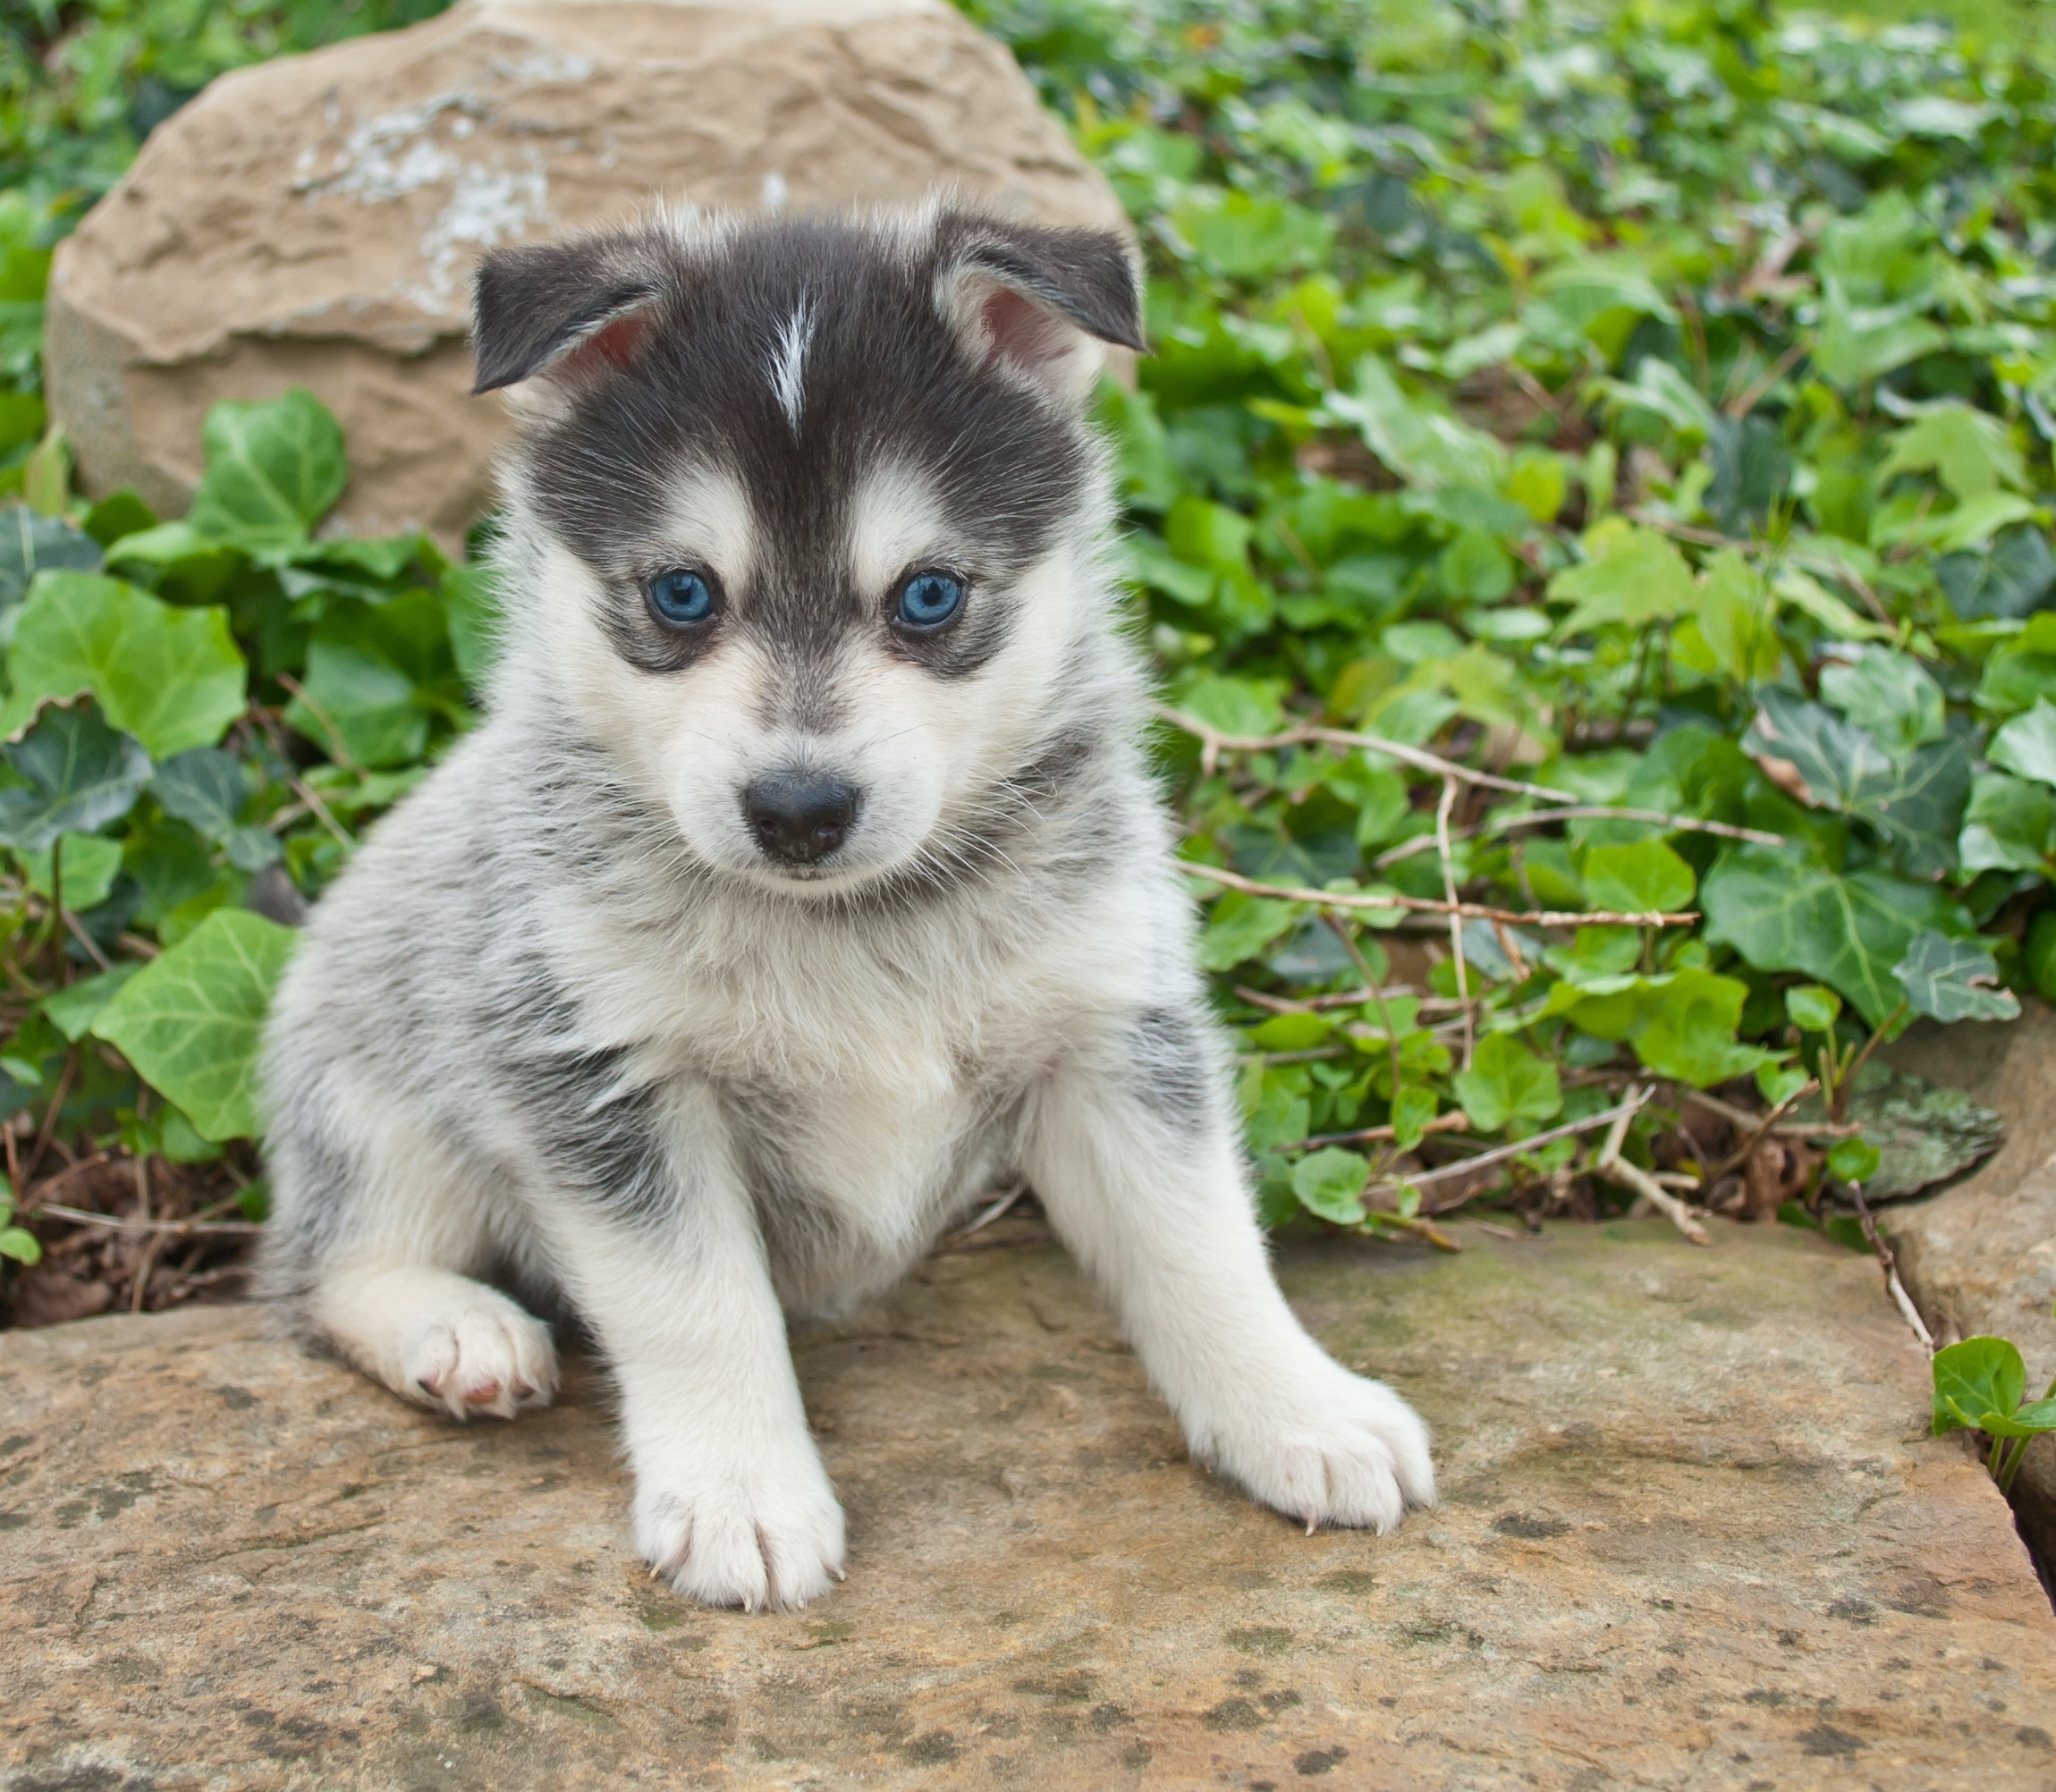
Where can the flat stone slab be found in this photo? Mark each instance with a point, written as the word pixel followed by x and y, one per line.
pixel 1694 1534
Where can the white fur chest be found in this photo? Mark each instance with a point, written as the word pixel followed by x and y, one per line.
pixel 866 1074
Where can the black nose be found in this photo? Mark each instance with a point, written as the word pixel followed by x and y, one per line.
pixel 800 817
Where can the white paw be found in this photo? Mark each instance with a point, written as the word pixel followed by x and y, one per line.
pixel 478 1354
pixel 1324 1447
pixel 743 1534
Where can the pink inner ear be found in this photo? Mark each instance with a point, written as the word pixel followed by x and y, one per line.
pixel 613 345
pixel 1022 331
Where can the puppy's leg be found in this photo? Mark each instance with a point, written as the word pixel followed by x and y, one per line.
pixel 1129 1146
pixel 371 1249
pixel 732 1505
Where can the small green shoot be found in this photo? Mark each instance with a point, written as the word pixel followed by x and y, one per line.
pixel 17 1242
pixel 1981 1385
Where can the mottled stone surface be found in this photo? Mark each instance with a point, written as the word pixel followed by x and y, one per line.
pixel 1981 1257
pixel 1694 1536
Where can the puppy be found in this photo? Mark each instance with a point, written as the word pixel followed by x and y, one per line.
pixel 805 876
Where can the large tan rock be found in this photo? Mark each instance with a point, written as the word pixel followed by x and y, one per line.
pixel 1981 1257
pixel 315 220
pixel 1694 1536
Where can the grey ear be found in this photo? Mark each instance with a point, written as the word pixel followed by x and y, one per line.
pixel 568 309
pixel 1036 301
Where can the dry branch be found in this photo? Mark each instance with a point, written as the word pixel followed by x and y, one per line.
pixel 1527 917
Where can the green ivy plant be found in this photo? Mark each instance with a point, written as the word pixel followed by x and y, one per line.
pixel 1590 501
pixel 1981 1385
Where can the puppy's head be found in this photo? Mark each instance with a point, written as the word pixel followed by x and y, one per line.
pixel 809 507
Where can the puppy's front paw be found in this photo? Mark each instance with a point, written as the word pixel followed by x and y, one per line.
pixel 1324 1447
pixel 478 1353
pixel 740 1535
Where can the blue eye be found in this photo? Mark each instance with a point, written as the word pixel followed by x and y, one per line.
pixel 681 596
pixel 930 599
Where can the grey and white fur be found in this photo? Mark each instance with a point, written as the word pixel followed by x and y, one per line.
pixel 721 969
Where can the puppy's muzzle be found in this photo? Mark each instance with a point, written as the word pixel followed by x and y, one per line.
pixel 797 817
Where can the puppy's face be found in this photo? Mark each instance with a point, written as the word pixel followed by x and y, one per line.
pixel 812 502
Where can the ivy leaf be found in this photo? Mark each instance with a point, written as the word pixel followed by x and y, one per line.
pixel 1857 343
pixel 2028 743
pixel 1240 926
pixel 1971 451
pixel 1634 576
pixel 1330 1183
pixel 203 786
pixel 1413 1107
pixel 1813 1008
pixel 1949 979
pixel 90 864
pixel 1782 910
pixel 78 774
pixel 2007 826
pixel 1980 1378
pixel 376 674
pixel 1854 1159
pixel 1687 1031
pixel 170 676
pixel 72 1011
pixel 1891 697
pixel 206 788
pixel 30 544
pixel 1245 236
pixel 272 471
pixel 1236 706
pixel 192 1020
pixel 1419 442
pixel 1916 801
pixel 1924 1134
pixel 1507 1082
pixel 1641 877
pixel 2006 579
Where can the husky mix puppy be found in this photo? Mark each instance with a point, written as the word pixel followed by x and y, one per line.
pixel 805 877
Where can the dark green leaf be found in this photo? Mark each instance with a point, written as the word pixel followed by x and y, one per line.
pixel 31 544
pixel 78 774
pixel 1949 979
pixel 1784 911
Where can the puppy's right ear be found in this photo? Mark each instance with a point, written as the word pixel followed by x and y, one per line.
pixel 568 311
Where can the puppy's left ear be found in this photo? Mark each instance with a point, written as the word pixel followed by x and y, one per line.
pixel 1038 304
pixel 563 310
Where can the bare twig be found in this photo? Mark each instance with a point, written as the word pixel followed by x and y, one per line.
pixel 1456 1121
pixel 1616 1169
pixel 85 938
pixel 337 749
pixel 49 1124
pixel 1888 1264
pixel 1741 1118
pixel 81 1216
pixel 1743 1152
pixel 1498 1154
pixel 1507 823
pixel 312 797
pixel 1421 1229
pixel 1753 395
pixel 1346 998
pixel 1533 918
pixel 1214 742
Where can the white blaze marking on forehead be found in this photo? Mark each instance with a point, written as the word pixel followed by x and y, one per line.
pixel 788 359
pixel 710 523
pixel 895 521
